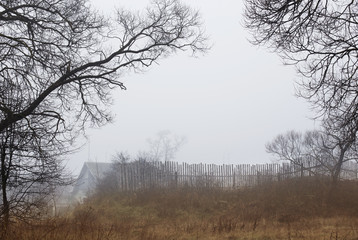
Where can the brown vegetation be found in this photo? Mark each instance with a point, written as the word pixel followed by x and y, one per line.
pixel 308 208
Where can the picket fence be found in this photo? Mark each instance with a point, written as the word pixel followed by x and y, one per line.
pixel 143 175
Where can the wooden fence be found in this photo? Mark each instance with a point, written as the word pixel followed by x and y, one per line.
pixel 143 175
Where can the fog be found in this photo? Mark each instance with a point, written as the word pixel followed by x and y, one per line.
pixel 227 103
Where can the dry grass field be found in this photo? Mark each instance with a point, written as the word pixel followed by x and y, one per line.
pixel 292 209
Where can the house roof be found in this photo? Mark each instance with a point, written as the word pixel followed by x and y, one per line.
pixel 98 169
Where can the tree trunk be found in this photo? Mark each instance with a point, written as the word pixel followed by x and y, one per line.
pixel 338 167
pixel 336 173
pixel 6 206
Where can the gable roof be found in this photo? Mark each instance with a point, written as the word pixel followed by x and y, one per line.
pixel 90 173
pixel 97 169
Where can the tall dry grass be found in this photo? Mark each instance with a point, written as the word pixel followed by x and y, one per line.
pixel 308 208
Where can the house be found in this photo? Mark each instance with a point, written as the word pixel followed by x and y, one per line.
pixel 86 182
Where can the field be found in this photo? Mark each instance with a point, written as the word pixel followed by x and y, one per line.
pixel 307 208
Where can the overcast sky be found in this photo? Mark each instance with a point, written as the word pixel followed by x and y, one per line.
pixel 227 103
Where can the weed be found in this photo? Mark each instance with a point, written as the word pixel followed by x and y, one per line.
pixel 305 208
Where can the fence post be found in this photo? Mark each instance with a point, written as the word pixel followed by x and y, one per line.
pixel 302 174
pixel 176 179
pixel 233 179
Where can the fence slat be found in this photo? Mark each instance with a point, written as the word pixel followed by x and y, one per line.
pixel 139 175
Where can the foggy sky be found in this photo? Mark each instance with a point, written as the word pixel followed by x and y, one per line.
pixel 227 103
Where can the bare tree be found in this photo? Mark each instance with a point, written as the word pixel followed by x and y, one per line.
pixel 31 170
pixel 288 147
pixel 318 152
pixel 59 62
pixel 165 146
pixel 54 54
pixel 31 153
pixel 320 38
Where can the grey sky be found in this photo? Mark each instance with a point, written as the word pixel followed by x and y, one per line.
pixel 228 103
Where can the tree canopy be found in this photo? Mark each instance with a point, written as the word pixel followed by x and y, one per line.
pixel 320 38
pixel 60 60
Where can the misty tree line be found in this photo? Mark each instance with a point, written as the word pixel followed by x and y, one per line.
pixel 316 151
pixel 145 170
